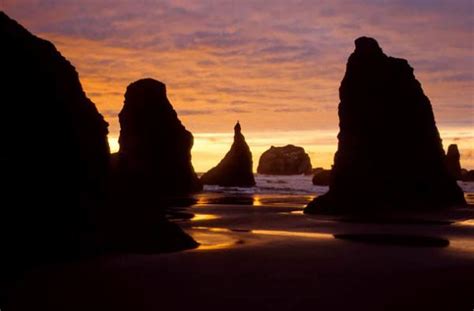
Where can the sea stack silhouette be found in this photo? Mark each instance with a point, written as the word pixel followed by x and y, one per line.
pixel 453 163
pixel 287 160
pixel 390 155
pixel 155 148
pixel 235 170
pixel 321 177
pixel 467 175
pixel 54 152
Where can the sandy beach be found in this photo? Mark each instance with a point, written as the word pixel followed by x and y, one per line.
pixel 273 257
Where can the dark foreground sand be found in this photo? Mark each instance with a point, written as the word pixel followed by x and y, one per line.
pixel 276 258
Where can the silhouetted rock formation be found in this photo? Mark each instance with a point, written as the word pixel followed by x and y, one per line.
pixel 321 177
pixel 54 152
pixel 155 148
pixel 390 154
pixel 453 161
pixel 136 218
pixel 235 170
pixel 467 175
pixel 287 160
pixel 150 235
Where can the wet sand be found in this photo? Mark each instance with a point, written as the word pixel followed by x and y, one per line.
pixel 272 257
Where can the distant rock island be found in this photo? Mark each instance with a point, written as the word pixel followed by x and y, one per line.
pixel 54 153
pixel 155 148
pixel 287 160
pixel 389 154
pixel 453 163
pixel 235 169
pixel 321 177
pixel 467 175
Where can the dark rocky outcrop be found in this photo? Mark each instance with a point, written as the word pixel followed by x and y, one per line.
pixel 53 154
pixel 136 217
pixel 235 170
pixel 321 177
pixel 155 148
pixel 287 160
pixel 453 161
pixel 54 159
pixel 390 155
pixel 467 175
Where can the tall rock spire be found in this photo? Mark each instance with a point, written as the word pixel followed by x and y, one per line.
pixel 453 162
pixel 236 167
pixel 155 148
pixel 237 129
pixel 389 154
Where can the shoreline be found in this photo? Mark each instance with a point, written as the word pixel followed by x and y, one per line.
pixel 270 257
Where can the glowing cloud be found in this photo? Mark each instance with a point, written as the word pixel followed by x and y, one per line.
pixel 275 66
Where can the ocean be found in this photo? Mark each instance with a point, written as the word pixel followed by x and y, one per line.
pixel 291 190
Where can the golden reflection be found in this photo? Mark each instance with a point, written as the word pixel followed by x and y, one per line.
pixel 464 245
pixel 202 200
pixel 297 212
pixel 199 217
pixel 215 238
pixel 212 238
pixel 313 235
pixel 215 246
pixel 284 200
pixel 213 229
pixel 292 213
pixel 257 200
pixel 468 222
pixel 113 143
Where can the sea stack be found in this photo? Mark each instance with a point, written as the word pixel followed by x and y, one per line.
pixel 287 160
pixel 155 148
pixel 467 175
pixel 321 177
pixel 235 170
pixel 453 161
pixel 390 155
pixel 54 151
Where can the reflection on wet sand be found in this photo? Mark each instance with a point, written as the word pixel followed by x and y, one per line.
pixel 213 229
pixel 221 199
pixel 211 238
pixel 200 217
pixel 468 222
pixel 462 244
pixel 298 212
pixel 280 216
pixel 214 198
pixel 282 233
pixel 469 198
pixel 257 200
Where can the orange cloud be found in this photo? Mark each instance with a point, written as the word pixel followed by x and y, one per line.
pixel 275 66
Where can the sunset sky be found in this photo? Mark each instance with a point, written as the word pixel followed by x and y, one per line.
pixel 274 65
